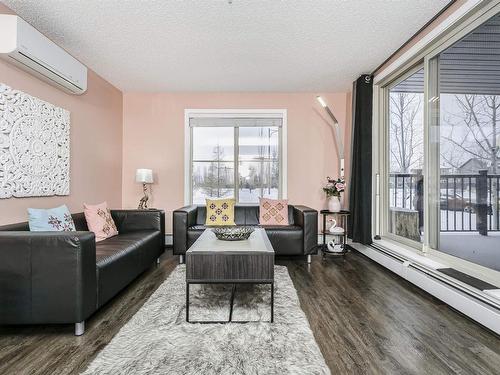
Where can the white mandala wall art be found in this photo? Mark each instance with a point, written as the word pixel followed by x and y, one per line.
pixel 34 146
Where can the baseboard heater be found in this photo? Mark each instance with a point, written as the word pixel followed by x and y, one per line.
pixel 472 303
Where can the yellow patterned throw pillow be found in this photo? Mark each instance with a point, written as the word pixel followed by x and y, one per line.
pixel 220 212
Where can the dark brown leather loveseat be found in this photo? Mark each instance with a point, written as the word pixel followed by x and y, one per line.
pixel 64 277
pixel 300 237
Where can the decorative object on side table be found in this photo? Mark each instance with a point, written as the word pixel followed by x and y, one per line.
pixel 333 189
pixel 334 229
pixel 233 233
pixel 144 176
pixel 337 229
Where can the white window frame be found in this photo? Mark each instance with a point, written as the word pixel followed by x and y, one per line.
pixel 229 113
pixel 384 158
pixel 467 18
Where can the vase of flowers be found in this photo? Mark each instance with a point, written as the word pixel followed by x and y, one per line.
pixel 333 189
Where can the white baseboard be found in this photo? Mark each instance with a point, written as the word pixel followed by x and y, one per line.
pixel 483 313
pixel 169 239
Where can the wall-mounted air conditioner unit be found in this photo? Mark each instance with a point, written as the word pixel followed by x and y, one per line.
pixel 24 46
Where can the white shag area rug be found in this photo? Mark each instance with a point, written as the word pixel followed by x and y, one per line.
pixel 158 340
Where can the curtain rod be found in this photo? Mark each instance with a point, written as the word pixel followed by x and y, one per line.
pixel 413 36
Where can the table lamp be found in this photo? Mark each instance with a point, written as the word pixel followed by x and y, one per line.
pixel 144 176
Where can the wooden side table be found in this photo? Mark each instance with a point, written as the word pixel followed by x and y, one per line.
pixel 340 238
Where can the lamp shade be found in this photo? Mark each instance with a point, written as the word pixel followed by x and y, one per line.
pixel 144 176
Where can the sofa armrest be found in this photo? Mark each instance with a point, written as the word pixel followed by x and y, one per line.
pixel 183 218
pixel 307 218
pixel 47 277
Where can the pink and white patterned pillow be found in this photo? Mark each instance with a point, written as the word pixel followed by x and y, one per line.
pixel 99 221
pixel 273 211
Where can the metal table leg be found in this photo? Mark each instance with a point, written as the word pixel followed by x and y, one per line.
pixel 233 291
pixel 187 302
pixel 272 302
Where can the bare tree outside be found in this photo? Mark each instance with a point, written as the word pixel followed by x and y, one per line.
pixel 470 130
pixel 406 131
pixel 479 116
pixel 406 158
pixel 473 133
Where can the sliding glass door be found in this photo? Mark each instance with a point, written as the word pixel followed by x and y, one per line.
pixel 406 154
pixel 439 128
pixel 468 152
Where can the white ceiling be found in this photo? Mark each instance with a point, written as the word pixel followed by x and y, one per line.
pixel 211 45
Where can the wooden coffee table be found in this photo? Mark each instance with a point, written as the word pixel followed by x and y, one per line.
pixel 212 261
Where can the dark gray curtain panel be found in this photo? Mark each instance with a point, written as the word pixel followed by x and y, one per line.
pixel 360 198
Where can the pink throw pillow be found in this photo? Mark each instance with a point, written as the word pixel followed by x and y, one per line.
pixel 273 211
pixel 99 221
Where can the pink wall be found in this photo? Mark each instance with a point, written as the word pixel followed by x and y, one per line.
pixel 96 142
pixel 113 134
pixel 153 137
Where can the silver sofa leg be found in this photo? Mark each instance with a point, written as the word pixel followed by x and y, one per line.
pixel 309 258
pixel 157 260
pixel 80 328
pixel 181 259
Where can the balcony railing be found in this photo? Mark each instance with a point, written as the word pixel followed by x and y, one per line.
pixel 468 202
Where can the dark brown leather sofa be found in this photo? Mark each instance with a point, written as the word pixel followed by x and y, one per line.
pixel 64 277
pixel 300 237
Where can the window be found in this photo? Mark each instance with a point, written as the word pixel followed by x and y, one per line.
pixel 212 163
pixel 406 155
pixel 468 148
pixel 232 156
pixel 439 146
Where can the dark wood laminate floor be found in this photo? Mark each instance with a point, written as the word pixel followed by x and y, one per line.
pixel 365 320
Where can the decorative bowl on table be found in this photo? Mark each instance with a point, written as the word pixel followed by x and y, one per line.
pixel 233 233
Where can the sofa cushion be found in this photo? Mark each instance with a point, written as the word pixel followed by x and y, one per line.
pixel 220 212
pixel 100 221
pixel 56 219
pixel 121 258
pixel 252 213
pixel 80 222
pixel 273 211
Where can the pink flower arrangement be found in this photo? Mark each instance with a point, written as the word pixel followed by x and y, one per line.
pixel 334 187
